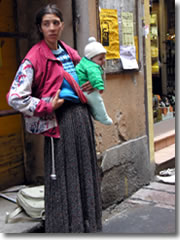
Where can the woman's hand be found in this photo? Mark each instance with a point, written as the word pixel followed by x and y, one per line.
pixel 56 101
pixel 87 87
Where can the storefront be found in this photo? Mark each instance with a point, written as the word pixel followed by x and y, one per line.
pixel 162 34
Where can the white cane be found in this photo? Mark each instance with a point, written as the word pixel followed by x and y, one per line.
pixel 53 174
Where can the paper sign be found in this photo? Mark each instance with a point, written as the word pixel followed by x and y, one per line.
pixel 128 57
pixel 146 30
pixel 127 29
pixel 110 32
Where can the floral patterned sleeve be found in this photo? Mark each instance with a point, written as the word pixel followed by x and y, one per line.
pixel 19 96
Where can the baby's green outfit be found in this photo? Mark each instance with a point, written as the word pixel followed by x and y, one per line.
pixel 88 70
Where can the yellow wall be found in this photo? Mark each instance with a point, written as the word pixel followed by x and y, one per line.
pixel 149 83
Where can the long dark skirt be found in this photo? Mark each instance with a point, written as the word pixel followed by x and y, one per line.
pixel 73 201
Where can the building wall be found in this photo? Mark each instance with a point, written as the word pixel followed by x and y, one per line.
pixel 124 100
pixel 124 95
pixel 123 148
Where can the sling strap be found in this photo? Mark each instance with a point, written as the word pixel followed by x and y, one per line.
pixel 75 86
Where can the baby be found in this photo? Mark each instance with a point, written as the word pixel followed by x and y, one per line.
pixel 90 69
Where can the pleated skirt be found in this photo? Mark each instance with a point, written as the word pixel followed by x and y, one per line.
pixel 73 200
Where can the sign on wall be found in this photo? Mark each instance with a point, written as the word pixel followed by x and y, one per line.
pixel 118 21
pixel 110 32
pixel 127 29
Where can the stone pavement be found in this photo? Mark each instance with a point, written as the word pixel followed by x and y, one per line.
pixel 150 210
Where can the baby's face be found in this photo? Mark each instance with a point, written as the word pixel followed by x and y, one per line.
pixel 99 59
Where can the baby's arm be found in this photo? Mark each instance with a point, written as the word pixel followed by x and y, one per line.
pixel 94 75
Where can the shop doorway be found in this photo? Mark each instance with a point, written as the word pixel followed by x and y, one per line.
pixel 162 32
pixel 11 134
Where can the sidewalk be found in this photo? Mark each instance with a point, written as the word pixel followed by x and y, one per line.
pixel 151 210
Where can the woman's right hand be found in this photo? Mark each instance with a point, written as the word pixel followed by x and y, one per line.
pixel 87 87
pixel 56 101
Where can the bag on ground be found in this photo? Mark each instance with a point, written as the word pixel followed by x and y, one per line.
pixel 31 201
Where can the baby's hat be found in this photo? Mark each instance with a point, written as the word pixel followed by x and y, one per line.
pixel 93 48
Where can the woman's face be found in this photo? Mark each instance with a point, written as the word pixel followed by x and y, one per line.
pixel 51 28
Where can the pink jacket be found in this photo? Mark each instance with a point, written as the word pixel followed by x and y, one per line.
pixel 37 80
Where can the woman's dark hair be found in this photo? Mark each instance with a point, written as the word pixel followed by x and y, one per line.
pixel 49 9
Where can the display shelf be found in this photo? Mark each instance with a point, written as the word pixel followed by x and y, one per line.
pixel 154 44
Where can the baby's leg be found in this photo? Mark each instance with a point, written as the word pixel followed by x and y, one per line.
pixel 97 108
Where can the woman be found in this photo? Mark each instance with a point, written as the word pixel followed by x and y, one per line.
pixel 53 105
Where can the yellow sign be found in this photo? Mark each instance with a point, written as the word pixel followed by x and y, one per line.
pixel 136 46
pixel 110 32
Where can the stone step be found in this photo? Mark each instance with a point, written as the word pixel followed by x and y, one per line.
pixel 165 158
pixel 164 140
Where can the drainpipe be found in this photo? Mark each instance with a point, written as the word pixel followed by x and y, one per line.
pixel 80 30
pixel 75 20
